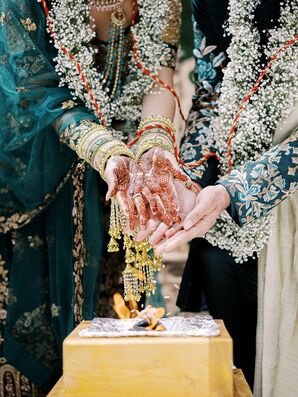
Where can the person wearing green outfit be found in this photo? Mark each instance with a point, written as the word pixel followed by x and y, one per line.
pixel 53 270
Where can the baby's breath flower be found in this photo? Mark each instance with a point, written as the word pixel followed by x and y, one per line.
pixel 71 24
pixel 274 100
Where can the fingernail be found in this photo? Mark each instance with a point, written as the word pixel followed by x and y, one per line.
pixel 188 224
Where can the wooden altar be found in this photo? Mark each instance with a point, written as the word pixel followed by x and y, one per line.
pixel 149 366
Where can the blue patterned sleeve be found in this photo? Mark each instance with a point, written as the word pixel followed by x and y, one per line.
pixel 260 185
pixel 198 139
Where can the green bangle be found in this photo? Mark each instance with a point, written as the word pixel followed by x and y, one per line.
pixel 96 146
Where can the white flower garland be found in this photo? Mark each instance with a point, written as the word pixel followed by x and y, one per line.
pixel 274 100
pixel 71 24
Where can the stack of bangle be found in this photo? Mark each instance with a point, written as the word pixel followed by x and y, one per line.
pixel 155 131
pixel 95 144
pixel 114 148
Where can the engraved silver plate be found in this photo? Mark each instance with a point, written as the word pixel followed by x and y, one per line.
pixel 200 325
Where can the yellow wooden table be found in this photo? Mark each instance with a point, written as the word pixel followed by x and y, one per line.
pixel 146 366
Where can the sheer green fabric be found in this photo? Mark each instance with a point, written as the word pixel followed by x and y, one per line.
pixel 36 259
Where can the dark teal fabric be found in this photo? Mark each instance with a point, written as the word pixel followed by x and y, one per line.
pixel 36 262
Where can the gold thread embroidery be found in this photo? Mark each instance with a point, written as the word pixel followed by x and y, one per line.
pixel 78 244
pixel 21 89
pixel 171 33
pixel 28 24
pixel 3 290
pixel 68 104
pixel 18 220
pixel 2 18
pixel 14 384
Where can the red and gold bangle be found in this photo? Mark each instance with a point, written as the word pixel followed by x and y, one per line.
pixel 162 127
pixel 151 143
pixel 157 119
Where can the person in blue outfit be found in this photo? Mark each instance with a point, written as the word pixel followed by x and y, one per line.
pixel 224 264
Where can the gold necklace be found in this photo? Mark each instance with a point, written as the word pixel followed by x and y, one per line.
pixel 112 73
pixel 107 5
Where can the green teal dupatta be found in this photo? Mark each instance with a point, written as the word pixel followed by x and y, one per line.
pixel 45 288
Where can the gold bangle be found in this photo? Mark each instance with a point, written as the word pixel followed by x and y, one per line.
pixel 105 148
pixel 156 135
pixel 151 144
pixel 84 134
pixel 97 147
pixel 86 143
pixel 95 129
pixel 157 119
pixel 117 150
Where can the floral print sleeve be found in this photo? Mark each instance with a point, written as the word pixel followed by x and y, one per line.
pixel 198 139
pixel 260 185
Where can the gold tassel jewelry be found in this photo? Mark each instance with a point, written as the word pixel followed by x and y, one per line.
pixel 116 226
pixel 141 262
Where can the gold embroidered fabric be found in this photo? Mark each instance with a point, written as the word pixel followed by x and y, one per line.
pixel 14 384
pixel 78 244
pixel 171 34
pixel 20 219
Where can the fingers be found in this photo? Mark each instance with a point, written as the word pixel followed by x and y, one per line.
pixel 116 176
pixel 169 197
pixel 158 234
pixel 183 236
pixel 140 204
pixel 174 229
pixel 154 201
pixel 128 208
pixel 178 239
pixel 150 227
pixel 112 186
pixel 203 207
pixel 163 201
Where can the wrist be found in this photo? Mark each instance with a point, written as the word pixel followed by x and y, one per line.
pixel 225 200
pixel 95 144
pixel 155 131
pixel 108 152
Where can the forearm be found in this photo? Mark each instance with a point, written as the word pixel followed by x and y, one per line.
pixel 160 101
pixel 198 140
pixel 158 107
pixel 92 142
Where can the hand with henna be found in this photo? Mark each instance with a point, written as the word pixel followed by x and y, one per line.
pixel 159 170
pixel 146 191
pixel 119 175
pixel 160 232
